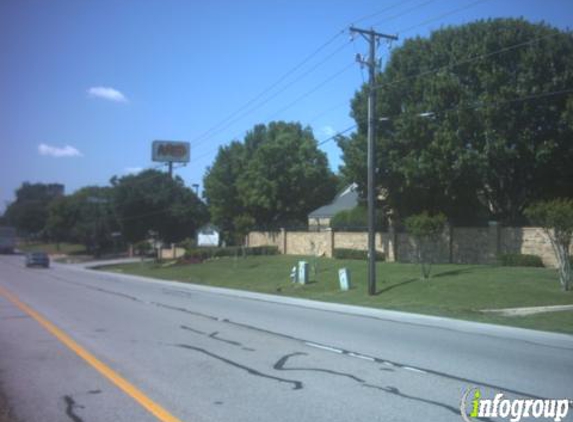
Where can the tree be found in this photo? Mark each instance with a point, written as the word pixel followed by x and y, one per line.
pixel 87 217
pixel 426 231
pixel 274 179
pixel 153 201
pixel 286 176
pixel 61 216
pixel 499 136
pixel 556 218
pixel 29 212
pixel 221 193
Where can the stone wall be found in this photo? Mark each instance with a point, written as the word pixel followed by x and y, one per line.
pixel 356 240
pixel 406 248
pixel 471 245
pixel 460 245
pixel 309 243
pixel 529 240
pixel 171 253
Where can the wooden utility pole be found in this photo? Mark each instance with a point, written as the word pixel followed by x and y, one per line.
pixel 372 37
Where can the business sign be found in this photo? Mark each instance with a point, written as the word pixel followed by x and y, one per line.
pixel 170 151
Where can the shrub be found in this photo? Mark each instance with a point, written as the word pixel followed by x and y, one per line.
pixel 519 260
pixel 143 248
pixel 207 253
pixel 426 230
pixel 342 253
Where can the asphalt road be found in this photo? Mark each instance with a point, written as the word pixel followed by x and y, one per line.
pixel 200 354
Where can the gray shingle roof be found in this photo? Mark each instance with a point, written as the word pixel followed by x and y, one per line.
pixel 345 200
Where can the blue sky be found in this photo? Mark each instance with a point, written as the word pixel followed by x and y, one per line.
pixel 88 85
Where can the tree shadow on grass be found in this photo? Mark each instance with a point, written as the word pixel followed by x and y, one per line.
pixel 400 284
pixel 466 270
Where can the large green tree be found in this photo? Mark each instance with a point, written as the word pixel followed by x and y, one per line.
pixel 29 212
pixel 153 201
pixel 221 192
pixel 87 217
pixel 501 130
pixel 273 179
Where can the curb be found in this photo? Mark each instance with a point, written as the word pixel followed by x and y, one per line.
pixel 544 338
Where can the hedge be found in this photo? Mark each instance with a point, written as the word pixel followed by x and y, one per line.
pixel 519 260
pixel 206 253
pixel 342 253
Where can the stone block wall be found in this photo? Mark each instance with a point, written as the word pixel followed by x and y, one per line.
pixel 460 245
pixel 472 245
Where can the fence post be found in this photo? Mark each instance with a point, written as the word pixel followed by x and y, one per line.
pixel 329 242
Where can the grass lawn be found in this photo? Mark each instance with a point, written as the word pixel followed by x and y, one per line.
pixel 457 291
pixel 52 248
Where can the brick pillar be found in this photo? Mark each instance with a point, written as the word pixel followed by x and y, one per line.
pixel 329 242
pixel 283 242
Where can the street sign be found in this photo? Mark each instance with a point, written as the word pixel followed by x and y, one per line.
pixel 170 151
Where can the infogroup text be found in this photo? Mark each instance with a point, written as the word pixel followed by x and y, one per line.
pixel 474 406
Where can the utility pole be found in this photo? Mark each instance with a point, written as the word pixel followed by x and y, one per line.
pixel 170 165
pixel 372 37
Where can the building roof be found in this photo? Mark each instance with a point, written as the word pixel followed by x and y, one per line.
pixel 208 227
pixel 345 200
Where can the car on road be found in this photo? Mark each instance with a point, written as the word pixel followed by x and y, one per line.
pixel 37 259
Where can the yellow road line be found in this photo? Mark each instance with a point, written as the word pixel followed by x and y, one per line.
pixel 155 409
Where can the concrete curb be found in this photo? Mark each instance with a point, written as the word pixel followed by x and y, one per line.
pixel 544 338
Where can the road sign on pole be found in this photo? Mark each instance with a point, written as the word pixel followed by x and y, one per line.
pixel 170 151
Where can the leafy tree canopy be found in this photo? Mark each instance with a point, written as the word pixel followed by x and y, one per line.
pixel 499 136
pixel 86 216
pixel 29 212
pixel 273 179
pixel 153 201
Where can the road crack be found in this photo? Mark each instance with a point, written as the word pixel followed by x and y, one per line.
pixel 297 385
pixel 71 405
pixel 280 366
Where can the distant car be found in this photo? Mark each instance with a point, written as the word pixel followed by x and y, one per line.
pixel 37 259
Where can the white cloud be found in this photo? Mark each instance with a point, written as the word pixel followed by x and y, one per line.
pixel 132 170
pixel 328 131
pixel 107 93
pixel 67 151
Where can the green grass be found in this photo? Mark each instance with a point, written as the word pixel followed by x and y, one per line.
pixel 458 291
pixel 52 248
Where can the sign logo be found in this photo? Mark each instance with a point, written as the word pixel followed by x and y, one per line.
pixel 170 151
pixel 473 405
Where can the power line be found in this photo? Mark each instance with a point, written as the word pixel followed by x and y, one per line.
pixel 452 12
pixel 476 105
pixel 273 85
pixel 371 15
pixel 405 12
pixel 313 90
pixel 247 107
pixel 342 132
pixel 248 111
pixel 453 109
pixel 393 82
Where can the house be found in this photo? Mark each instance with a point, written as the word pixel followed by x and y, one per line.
pixel 319 219
pixel 208 235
